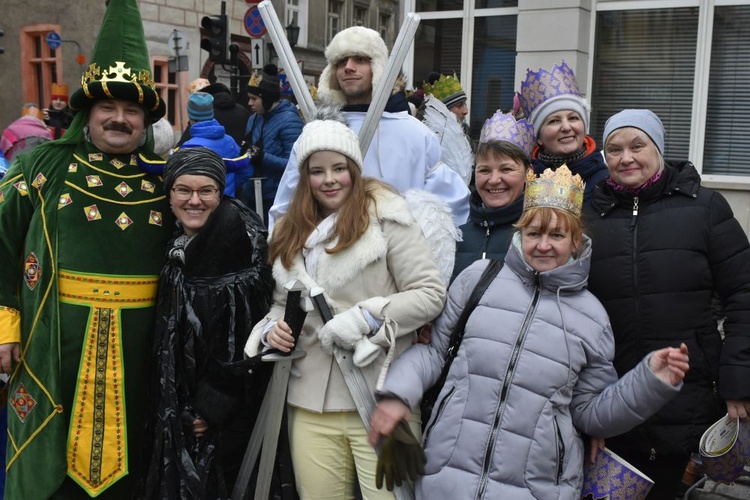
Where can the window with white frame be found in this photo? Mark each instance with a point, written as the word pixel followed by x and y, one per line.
pixel 359 16
pixel 333 20
pixel 296 14
pixel 687 66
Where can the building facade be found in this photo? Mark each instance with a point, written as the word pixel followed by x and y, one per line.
pixel 685 59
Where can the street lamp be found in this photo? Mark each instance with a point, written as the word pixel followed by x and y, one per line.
pixel 292 34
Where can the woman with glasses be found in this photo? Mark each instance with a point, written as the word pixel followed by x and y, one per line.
pixel 215 285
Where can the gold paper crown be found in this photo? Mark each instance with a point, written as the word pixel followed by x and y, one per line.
pixel 554 189
pixel 255 79
pixel 444 87
pixel 59 89
pixel 313 91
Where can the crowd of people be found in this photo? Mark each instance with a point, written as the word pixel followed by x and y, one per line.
pixel 145 289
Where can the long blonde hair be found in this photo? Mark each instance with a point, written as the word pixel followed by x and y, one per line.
pixel 305 213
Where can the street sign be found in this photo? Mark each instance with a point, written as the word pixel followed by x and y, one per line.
pixel 177 43
pixel 176 64
pixel 257 49
pixel 53 40
pixel 253 22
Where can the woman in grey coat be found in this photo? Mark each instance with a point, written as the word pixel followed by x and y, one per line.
pixel 533 371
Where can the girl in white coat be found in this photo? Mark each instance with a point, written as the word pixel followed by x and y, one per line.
pixel 356 238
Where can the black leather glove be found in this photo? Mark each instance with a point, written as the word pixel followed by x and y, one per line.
pixel 256 155
pixel 401 457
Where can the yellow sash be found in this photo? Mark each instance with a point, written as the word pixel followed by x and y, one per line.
pixel 97 439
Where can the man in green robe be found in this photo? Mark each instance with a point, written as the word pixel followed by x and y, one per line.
pixel 83 236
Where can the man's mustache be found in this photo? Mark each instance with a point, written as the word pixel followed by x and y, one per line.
pixel 119 127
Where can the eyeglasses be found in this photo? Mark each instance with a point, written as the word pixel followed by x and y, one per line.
pixel 205 193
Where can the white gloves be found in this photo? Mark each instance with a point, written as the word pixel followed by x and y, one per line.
pixel 344 330
pixel 365 352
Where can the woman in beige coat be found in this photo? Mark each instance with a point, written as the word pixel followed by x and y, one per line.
pixel 356 238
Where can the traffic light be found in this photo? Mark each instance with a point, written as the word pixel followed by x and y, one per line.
pixel 218 37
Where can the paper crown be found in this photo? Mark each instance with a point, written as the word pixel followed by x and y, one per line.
pixel 255 79
pixel 197 85
pixel 612 477
pixel 59 90
pixel 504 127
pixel 121 67
pixel 543 85
pixel 446 88
pixel 725 448
pixel 554 189
pixel 265 82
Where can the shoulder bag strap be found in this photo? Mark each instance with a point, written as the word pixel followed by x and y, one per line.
pixel 489 274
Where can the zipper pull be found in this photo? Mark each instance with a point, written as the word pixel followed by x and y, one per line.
pixel 635 212
pixel 486 239
pixel 652 456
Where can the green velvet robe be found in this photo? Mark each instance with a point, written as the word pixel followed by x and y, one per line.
pixel 73 208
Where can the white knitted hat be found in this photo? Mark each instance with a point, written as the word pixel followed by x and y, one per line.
pixel 328 133
pixel 354 41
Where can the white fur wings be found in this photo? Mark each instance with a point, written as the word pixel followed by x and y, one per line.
pixel 456 150
pixel 436 220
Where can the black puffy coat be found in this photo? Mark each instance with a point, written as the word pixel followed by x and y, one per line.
pixel 487 233
pixel 659 261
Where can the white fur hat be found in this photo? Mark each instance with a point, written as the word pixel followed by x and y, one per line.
pixel 329 132
pixel 354 41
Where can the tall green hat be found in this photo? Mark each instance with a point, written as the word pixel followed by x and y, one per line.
pixel 120 67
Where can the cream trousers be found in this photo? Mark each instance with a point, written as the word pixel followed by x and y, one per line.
pixel 328 449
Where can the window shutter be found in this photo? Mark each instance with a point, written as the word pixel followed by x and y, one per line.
pixel 727 143
pixel 646 59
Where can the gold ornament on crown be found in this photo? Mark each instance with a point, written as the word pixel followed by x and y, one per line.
pixel 117 73
pixel 554 189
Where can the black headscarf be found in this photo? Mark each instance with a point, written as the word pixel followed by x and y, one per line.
pixel 195 161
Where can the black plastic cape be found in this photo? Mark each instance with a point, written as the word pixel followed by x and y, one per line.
pixel 211 293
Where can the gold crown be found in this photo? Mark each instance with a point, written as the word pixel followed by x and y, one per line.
pixel 255 79
pixel 444 87
pixel 554 189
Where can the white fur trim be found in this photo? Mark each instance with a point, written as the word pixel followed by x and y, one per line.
pixel 354 41
pixel 336 270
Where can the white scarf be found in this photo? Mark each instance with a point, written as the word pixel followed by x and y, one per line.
pixel 314 246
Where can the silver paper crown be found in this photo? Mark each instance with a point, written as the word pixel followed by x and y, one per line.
pixel 543 85
pixel 504 127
